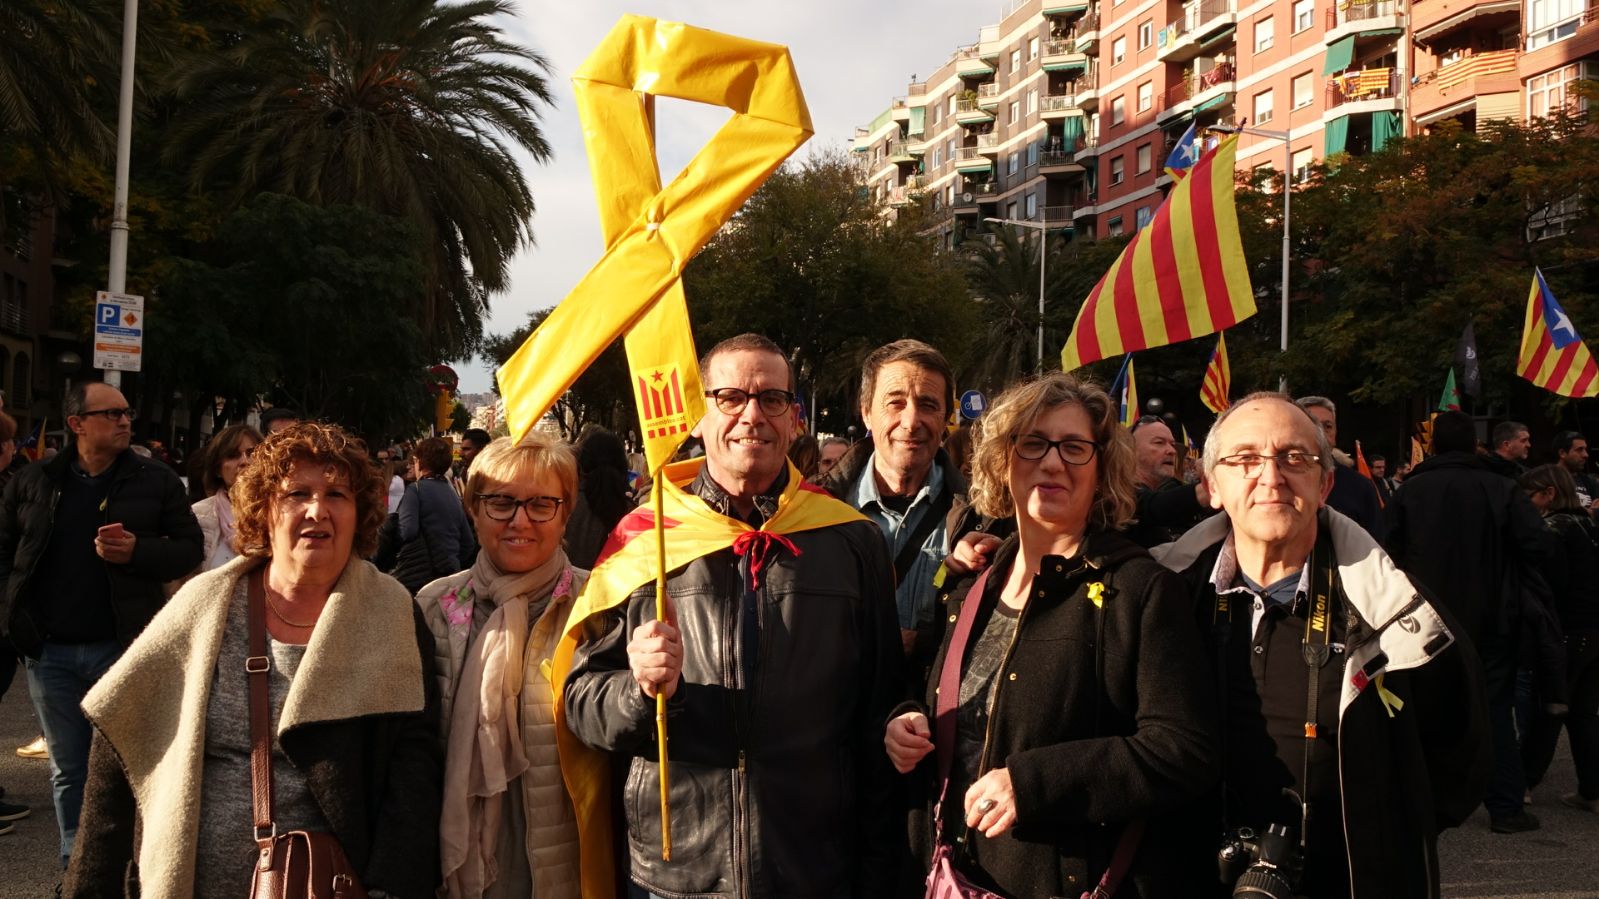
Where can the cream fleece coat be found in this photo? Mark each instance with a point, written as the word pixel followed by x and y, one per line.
pixel 151 706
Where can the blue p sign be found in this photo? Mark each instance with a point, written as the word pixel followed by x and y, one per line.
pixel 106 314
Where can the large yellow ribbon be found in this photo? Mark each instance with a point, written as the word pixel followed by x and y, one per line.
pixel 642 263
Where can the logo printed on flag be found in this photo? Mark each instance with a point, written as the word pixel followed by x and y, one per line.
pixel 660 402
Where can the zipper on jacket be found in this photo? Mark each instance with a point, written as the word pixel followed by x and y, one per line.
pixel 741 866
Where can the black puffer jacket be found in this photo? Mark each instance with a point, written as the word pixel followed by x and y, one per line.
pixel 779 782
pixel 149 501
pixel 1102 715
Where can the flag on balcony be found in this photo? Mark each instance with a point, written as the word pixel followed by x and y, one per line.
pixel 1218 378
pixel 1182 277
pixel 1125 392
pixel 1553 356
pixel 1183 154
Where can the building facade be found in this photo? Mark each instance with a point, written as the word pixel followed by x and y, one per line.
pixel 1063 112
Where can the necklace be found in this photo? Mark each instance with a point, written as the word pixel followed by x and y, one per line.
pixel 284 618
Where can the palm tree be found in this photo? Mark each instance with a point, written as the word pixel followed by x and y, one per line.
pixel 51 54
pixel 414 108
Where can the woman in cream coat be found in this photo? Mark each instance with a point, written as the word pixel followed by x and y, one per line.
pixel 508 826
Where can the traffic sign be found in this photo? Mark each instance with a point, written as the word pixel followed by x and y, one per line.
pixel 118 331
pixel 972 405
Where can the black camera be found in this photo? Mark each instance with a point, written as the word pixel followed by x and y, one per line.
pixel 1268 866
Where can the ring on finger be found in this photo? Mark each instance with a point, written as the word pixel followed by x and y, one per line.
pixel 986 806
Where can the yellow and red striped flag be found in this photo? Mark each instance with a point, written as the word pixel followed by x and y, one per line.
pixel 1181 277
pixel 1553 356
pixel 1218 378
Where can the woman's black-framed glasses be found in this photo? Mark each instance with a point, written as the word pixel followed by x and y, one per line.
pixel 500 507
pixel 1072 450
pixel 732 400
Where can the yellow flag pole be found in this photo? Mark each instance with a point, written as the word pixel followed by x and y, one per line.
pixel 660 697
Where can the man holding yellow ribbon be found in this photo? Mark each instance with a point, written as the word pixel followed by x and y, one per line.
pixel 780 660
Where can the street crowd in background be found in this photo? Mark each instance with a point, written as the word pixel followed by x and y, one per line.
pixel 1036 655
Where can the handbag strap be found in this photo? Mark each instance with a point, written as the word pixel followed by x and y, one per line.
pixel 947 702
pixel 1126 848
pixel 256 666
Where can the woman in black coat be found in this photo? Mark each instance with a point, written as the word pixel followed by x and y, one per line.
pixel 1084 702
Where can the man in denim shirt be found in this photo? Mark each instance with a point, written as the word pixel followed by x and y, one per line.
pixel 903 480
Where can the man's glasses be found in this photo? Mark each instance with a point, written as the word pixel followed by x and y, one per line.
pixel 732 400
pixel 111 414
pixel 500 507
pixel 1072 450
pixel 1252 464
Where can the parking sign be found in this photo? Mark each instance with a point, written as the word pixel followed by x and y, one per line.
pixel 118 331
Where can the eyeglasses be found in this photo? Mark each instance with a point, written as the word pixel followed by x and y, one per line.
pixel 1072 450
pixel 1252 464
pixel 500 507
pixel 732 400
pixel 111 414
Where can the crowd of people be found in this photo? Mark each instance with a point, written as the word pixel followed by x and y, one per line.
pixel 1034 657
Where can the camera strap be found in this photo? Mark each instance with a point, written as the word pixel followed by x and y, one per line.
pixel 1317 649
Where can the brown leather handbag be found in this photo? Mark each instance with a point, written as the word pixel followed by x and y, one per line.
pixel 299 864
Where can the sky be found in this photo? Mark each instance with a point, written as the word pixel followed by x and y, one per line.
pixel 853 58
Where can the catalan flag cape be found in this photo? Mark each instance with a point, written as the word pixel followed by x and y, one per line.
pixel 639 57
pixel 1553 356
pixel 1125 392
pixel 629 562
pixel 1181 277
pixel 1218 381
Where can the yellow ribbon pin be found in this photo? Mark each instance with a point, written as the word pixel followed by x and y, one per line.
pixel 1096 594
pixel 1390 700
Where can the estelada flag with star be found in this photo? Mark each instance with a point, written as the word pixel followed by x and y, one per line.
pixel 1183 155
pixel 1181 277
pixel 1553 356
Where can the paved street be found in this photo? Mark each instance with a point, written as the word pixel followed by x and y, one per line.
pixel 1559 862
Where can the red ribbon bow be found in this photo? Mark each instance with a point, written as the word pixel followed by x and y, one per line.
pixel 758 546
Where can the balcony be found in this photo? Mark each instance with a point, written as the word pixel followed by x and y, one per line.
pixel 1576 37
pixel 988 144
pixel 903 151
pixel 971 159
pixel 1087 148
pixel 1185 37
pixel 988 96
pixel 1061 56
pixel 984 191
pixel 1460 83
pixel 14 318
pixel 1058 162
pixel 900 196
pixel 969 112
pixel 1057 215
pixel 1087 94
pixel 1436 18
pixel 1366 87
pixel 1058 106
pixel 1361 16
pixel 969 63
pixel 1087 34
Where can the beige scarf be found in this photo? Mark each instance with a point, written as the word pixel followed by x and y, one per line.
pixel 484 750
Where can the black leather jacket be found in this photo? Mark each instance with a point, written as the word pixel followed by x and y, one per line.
pixel 779 782
pixel 146 497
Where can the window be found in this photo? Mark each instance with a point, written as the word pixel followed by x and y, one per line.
pixel 1304 92
pixel 1304 14
pixel 1118 110
pixel 1146 96
pixel 1118 169
pixel 1143 216
pixel 938 108
pixel 1118 50
pixel 1551 91
pixel 1145 153
pixel 951 104
pixel 1032 101
pixel 950 194
pixel 1015 164
pixel 1302 160
pixel 1015 113
pixel 1263 107
pixel 1552 20
pixel 1015 60
pixel 1268 177
pixel 1032 154
pixel 1265 34
pixel 938 157
pixel 1032 48
pixel 1113 228
pixel 950 153
pixel 1032 205
pixel 1146 33
pixel 1010 210
pixel 1548 221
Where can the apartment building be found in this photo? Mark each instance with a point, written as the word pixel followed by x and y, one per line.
pixel 1063 112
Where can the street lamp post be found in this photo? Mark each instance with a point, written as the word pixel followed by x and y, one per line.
pixel 1043 232
pixel 1288 180
pixel 117 279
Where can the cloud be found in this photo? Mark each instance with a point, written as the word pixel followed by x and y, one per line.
pixel 853 58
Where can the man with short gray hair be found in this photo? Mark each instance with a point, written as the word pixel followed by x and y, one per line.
pixel 1346 697
pixel 1512 444
pixel 1352 494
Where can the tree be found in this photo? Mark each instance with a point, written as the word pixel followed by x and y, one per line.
pixel 305 305
pixel 413 108
pixel 811 263
pixel 602 394
pixel 51 55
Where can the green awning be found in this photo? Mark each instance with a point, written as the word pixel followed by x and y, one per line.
pixel 1337 135
pixel 1071 132
pixel 1226 34
pixel 1221 99
pixel 1340 54
pixel 1385 126
pixel 918 123
pixel 1381 32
